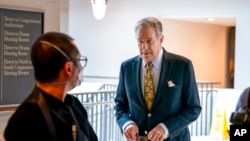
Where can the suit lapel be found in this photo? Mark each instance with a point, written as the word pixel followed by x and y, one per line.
pixel 137 80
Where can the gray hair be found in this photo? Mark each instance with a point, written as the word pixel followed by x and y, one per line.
pixel 150 22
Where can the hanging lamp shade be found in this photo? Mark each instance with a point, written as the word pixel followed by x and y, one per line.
pixel 99 8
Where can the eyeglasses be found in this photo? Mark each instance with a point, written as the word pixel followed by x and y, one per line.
pixel 83 61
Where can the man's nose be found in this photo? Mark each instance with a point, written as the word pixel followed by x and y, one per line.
pixel 144 45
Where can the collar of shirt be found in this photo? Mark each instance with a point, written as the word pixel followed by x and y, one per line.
pixel 156 62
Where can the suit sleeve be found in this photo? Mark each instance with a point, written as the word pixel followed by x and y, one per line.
pixel 190 103
pixel 121 102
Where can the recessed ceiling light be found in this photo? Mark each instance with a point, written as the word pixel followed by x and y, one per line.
pixel 210 19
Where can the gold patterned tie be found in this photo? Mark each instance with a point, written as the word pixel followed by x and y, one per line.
pixel 149 85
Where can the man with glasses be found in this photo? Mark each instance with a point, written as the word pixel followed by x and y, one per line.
pixel 49 113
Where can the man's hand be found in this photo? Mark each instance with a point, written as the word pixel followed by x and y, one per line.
pixel 157 133
pixel 130 132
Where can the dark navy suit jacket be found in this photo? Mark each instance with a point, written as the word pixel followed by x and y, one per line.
pixel 175 106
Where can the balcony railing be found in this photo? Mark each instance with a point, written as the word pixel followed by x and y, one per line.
pixel 100 108
pixel 201 127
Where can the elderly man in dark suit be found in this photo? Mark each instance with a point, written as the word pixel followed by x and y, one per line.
pixel 157 96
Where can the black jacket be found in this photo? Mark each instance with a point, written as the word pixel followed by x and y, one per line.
pixel 28 123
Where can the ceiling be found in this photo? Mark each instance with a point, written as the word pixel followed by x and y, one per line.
pixel 217 21
pixel 224 21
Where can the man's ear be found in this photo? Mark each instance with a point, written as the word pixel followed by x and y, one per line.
pixel 68 68
pixel 161 39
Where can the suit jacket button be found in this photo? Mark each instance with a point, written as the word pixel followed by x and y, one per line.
pixel 149 115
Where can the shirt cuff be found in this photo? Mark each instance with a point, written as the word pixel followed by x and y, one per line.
pixel 165 129
pixel 126 124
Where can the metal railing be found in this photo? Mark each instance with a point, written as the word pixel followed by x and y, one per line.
pixel 100 107
pixel 201 127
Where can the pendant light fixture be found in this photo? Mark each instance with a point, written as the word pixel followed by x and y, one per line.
pixel 99 8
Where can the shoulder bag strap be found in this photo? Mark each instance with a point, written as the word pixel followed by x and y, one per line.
pixel 76 131
pixel 39 99
pixel 45 110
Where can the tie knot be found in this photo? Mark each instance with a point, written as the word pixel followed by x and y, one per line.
pixel 149 65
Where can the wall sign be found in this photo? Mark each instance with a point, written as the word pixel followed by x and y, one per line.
pixel 18 30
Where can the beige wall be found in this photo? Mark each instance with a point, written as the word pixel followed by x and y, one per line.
pixel 204 44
